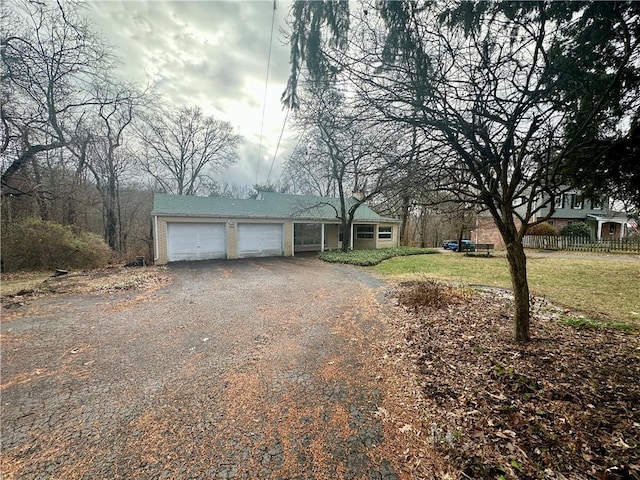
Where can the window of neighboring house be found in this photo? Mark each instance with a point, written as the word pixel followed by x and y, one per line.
pixel 596 204
pixel 612 228
pixel 558 201
pixel 576 201
pixel 364 232
pixel 551 222
pixel 385 233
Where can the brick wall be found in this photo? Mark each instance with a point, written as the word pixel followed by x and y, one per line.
pixel 486 232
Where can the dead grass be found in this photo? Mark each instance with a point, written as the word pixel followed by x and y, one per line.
pixel 18 286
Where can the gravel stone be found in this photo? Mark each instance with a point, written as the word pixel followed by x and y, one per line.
pixel 235 370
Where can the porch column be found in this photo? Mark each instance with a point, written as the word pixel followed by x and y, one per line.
pixel 599 232
pixel 322 237
pixel 622 225
pixel 351 238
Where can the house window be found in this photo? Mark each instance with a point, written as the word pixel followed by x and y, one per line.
pixel 596 204
pixel 385 233
pixel 612 228
pixel 576 201
pixel 558 201
pixel 307 233
pixel 364 232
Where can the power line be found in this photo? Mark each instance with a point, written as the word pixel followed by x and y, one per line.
pixel 292 152
pixel 266 84
pixel 278 145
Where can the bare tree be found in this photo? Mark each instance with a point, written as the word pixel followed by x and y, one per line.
pixel 493 93
pixel 346 154
pixel 183 148
pixel 50 58
pixel 308 169
pixel 106 159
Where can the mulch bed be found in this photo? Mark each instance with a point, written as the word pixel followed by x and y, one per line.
pixel 565 405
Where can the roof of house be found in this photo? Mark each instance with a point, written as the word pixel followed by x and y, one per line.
pixel 268 205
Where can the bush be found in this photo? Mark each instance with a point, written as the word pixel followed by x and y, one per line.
pixel 579 229
pixel 543 229
pixel 34 244
pixel 419 295
pixel 367 258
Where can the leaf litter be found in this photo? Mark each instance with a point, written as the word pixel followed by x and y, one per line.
pixel 110 279
pixel 565 405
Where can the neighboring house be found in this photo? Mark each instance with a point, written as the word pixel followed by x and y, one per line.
pixel 571 207
pixel 273 224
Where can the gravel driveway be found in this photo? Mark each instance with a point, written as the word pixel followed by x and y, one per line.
pixel 259 368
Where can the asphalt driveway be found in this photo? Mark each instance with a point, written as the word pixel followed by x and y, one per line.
pixel 248 369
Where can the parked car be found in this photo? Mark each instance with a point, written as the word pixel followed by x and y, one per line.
pixel 446 243
pixel 467 246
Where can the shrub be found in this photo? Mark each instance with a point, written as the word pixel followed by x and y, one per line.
pixel 543 229
pixel 34 244
pixel 367 258
pixel 418 295
pixel 579 229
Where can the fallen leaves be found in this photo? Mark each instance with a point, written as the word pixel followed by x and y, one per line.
pixel 565 405
pixel 111 279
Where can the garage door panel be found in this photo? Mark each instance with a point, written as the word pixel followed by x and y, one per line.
pixel 196 241
pixel 259 240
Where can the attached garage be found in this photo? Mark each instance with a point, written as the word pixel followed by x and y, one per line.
pixel 196 241
pixel 260 240
pixel 186 227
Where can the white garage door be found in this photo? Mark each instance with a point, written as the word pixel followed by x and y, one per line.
pixel 196 241
pixel 259 239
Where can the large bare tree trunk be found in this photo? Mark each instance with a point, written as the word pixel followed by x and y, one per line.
pixel 518 269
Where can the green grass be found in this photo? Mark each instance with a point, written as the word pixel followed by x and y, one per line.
pixel 366 258
pixel 589 324
pixel 604 288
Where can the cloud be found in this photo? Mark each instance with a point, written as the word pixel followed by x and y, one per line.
pixel 212 54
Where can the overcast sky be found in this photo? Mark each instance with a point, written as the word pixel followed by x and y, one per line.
pixel 212 54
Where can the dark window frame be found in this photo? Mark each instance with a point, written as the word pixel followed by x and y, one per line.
pixel 385 232
pixel 365 232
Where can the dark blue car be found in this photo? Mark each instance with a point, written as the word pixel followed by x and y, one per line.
pixel 467 246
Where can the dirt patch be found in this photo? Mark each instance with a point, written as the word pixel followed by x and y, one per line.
pixel 17 287
pixel 566 405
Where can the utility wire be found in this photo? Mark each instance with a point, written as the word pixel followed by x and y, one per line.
pixel 278 145
pixel 291 153
pixel 266 84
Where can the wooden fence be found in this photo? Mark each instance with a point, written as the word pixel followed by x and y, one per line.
pixel 581 244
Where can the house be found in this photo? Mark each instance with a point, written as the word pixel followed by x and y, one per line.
pixel 570 207
pixel 273 224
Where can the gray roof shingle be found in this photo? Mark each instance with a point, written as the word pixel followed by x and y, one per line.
pixel 269 205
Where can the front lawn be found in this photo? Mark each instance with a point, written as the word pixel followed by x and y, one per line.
pixel 367 258
pixel 606 288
